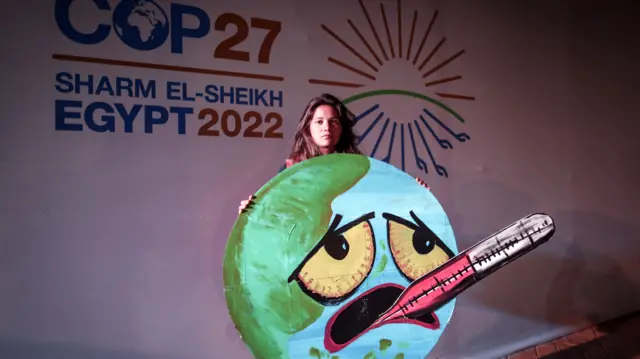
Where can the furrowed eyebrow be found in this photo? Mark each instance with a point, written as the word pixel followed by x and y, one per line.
pixel 332 229
pixel 416 226
pixel 401 220
pixel 355 222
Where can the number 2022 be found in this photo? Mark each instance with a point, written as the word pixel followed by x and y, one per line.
pixel 231 124
pixel 225 50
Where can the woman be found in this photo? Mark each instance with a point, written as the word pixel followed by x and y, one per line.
pixel 326 126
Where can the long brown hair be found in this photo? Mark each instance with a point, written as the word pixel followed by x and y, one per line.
pixel 303 145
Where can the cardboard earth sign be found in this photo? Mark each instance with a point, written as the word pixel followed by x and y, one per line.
pixel 345 256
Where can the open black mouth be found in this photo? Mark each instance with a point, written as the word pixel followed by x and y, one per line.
pixel 356 317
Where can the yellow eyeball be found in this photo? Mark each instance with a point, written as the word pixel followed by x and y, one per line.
pixel 340 262
pixel 415 249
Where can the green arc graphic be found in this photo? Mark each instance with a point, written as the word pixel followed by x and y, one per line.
pixel 362 95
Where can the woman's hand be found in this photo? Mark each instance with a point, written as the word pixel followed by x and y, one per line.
pixel 244 204
pixel 422 183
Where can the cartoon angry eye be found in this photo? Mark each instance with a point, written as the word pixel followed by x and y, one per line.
pixel 339 263
pixel 415 249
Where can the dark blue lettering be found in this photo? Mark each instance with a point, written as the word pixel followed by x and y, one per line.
pixel 211 93
pixel 185 96
pixel 150 120
pixel 128 116
pixel 61 115
pixel 277 98
pixel 182 113
pixel 226 94
pixel 251 92
pixel 241 95
pixel 63 21
pixel 179 32
pixel 260 98
pixel 108 121
pixel 124 84
pixel 78 83
pixel 104 85
pixel 171 90
pixel 65 85
pixel 148 92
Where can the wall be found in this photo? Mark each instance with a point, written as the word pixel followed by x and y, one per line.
pixel 112 241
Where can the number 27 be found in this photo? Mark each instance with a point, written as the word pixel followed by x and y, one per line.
pixel 225 50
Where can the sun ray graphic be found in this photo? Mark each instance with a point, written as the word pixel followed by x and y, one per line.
pixel 427 131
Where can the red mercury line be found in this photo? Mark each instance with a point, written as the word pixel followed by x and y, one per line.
pixel 433 290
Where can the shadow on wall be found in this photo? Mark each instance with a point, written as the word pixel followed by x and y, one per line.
pixel 581 277
pixel 587 283
pixel 595 279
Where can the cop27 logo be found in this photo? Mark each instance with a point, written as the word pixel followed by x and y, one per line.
pixel 143 25
pixel 418 136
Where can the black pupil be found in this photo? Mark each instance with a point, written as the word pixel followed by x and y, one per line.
pixel 337 247
pixel 423 241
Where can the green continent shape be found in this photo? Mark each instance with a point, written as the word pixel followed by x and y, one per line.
pixel 290 215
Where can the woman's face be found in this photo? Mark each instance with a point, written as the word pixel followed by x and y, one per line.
pixel 325 128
